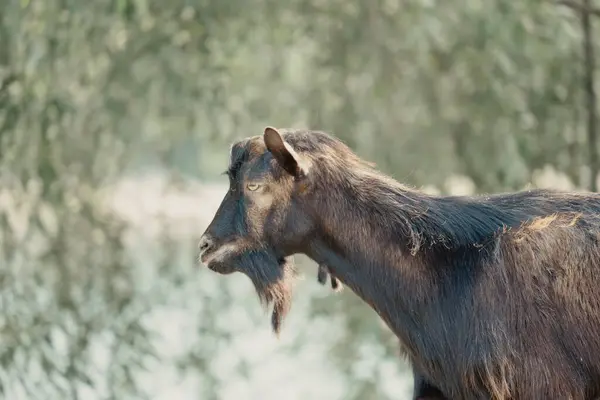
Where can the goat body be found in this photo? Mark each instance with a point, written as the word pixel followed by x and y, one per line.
pixel 492 297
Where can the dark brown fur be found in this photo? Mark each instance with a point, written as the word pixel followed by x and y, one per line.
pixel 492 297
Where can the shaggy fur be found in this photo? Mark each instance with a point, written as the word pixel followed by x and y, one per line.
pixel 272 281
pixel 491 296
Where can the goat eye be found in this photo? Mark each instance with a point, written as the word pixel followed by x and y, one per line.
pixel 252 186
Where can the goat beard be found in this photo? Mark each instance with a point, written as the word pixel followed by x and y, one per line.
pixel 273 280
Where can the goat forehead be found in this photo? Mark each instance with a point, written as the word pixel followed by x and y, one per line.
pixel 246 150
pixel 255 167
pixel 256 147
pixel 259 167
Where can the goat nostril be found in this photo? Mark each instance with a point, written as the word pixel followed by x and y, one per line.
pixel 205 243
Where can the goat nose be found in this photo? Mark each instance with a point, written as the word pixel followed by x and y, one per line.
pixel 205 242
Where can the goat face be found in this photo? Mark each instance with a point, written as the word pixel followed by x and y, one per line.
pixel 262 210
pixel 261 220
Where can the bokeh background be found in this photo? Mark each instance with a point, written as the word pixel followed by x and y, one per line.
pixel 116 118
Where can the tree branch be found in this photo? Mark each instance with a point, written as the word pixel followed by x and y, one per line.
pixel 581 8
pixel 590 93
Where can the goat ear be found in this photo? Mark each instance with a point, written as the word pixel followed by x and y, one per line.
pixel 283 152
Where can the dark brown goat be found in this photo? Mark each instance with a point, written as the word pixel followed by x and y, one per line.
pixel 492 297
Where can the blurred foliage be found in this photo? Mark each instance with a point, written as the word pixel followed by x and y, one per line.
pixel 94 91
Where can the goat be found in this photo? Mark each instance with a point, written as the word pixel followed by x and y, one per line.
pixel 491 297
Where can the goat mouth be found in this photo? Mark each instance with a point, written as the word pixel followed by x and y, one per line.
pixel 220 268
pixel 214 258
pixel 219 254
pixel 213 254
pixel 205 256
